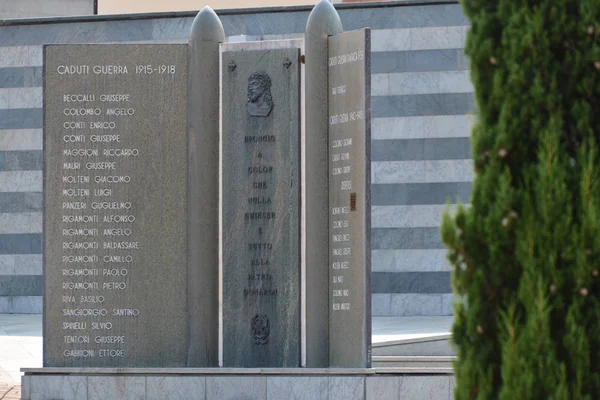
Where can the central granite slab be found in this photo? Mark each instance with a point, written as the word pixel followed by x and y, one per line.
pixel 260 175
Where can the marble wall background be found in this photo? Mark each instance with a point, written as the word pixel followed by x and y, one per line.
pixel 421 100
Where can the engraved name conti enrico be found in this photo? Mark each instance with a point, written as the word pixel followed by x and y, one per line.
pixel 260 102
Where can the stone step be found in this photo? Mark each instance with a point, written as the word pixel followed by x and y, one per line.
pixel 434 345
pixel 436 362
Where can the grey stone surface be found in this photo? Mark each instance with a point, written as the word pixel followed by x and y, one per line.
pixel 420 193
pixel 435 60
pixel 20 56
pixel 203 190
pixel 12 77
pixel 261 209
pixel 175 387
pixel 58 387
pixel 346 387
pixel 20 139
pixel 21 160
pixel 30 243
pixel 417 61
pixel 322 22
pixel 383 385
pixel 297 388
pixel 21 264
pixel 21 118
pixel 417 304
pixel 21 181
pixel 20 304
pixel 136 260
pixel 411 282
pixel 32 76
pixel 406 238
pixel 20 223
pixel 349 90
pixel 422 104
pixel 21 285
pixel 381 304
pixel 47 8
pixel 421 149
pixel 404 15
pixel 414 260
pixel 236 387
pixel 20 202
pixel 117 387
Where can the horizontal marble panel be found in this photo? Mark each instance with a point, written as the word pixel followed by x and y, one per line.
pixel 21 243
pixel 20 202
pixel 21 222
pixel 422 105
pixel 419 38
pixel 420 193
pixel 21 139
pixel 30 97
pixel 20 56
pixel 403 16
pixel 20 181
pixel 381 304
pixel 298 388
pixel 20 264
pixel 171 28
pixel 428 171
pixel 175 387
pixel 236 387
pixel 118 387
pixel 419 260
pixel 21 285
pixel 420 149
pixel 21 304
pixel 22 160
pixel 405 238
pixel 410 387
pixel 414 304
pixel 17 77
pixel 411 282
pixel 346 387
pixel 425 127
pixel 418 61
pixel 405 83
pixel 65 387
pixel 21 118
pixel 427 216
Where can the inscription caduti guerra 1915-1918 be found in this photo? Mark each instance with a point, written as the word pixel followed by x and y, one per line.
pixel 102 142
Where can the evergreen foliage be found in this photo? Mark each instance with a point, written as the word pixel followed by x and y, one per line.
pixel 526 254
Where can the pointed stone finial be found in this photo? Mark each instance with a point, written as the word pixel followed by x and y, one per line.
pixel 207 27
pixel 324 19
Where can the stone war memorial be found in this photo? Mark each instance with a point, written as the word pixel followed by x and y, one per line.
pixel 207 218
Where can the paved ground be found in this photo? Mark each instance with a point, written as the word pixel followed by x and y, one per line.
pixel 20 346
pixel 21 342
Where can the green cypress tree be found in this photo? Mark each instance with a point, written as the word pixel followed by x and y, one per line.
pixel 526 253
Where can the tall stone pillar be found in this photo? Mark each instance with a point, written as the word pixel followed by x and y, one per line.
pixel 203 189
pixel 323 22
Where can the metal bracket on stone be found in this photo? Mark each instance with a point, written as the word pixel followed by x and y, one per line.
pixel 287 63
pixel 231 65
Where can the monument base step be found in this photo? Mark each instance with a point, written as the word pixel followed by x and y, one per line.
pixel 413 361
pixel 432 345
pixel 228 383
